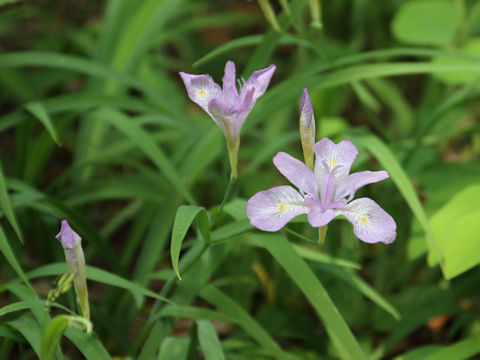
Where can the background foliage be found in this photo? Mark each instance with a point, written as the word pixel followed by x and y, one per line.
pixel 96 128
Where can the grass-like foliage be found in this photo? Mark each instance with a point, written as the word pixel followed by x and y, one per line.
pixel 166 181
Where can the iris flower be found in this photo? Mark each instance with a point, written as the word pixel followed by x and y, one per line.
pixel 227 105
pixel 72 246
pixel 324 193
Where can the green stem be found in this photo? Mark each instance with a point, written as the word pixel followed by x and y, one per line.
pixel 222 204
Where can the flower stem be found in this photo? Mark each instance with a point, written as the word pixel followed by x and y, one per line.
pixel 322 233
pixel 222 204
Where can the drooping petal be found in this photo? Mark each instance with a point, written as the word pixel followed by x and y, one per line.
pixel 297 173
pixel 336 156
pixel 259 80
pixel 229 86
pixel 307 128
pixel 318 215
pixel 370 222
pixel 200 89
pixel 353 182
pixel 271 209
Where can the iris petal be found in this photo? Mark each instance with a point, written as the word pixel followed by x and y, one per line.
pixel 271 209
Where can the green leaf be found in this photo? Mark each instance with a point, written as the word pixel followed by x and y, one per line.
pixel 464 349
pixel 386 158
pixel 243 319
pixel 10 256
pixel 173 348
pixel 426 22
pixel 27 304
pixel 209 342
pixel 101 276
pixel 88 344
pixel 471 48
pixel 29 328
pixel 51 336
pixel 6 205
pixel 183 219
pixel 145 142
pixel 457 231
pixel 338 331
pixel 38 110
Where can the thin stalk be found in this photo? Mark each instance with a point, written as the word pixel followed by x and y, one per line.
pixel 222 204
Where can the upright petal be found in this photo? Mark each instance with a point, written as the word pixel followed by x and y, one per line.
pixel 271 209
pixel 200 89
pixel 297 173
pixel 355 181
pixel 229 86
pixel 259 80
pixel 307 128
pixel 370 222
pixel 243 109
pixel 339 156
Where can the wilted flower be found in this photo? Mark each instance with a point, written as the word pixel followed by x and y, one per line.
pixel 307 128
pixel 324 194
pixel 227 106
pixel 71 243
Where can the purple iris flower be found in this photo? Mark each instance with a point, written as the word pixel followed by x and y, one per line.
pixel 72 246
pixel 323 194
pixel 228 106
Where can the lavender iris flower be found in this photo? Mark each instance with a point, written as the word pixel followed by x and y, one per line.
pixel 323 194
pixel 72 246
pixel 228 106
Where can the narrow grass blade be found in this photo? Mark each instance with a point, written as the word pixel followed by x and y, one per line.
pixel 145 142
pixel 464 349
pixel 388 161
pixel 339 332
pixel 10 256
pixel 250 325
pixel 6 205
pixel 38 110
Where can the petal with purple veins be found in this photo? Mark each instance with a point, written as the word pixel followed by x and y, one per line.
pixel 334 156
pixel 353 182
pixel 200 89
pixel 271 209
pixel 370 222
pixel 297 173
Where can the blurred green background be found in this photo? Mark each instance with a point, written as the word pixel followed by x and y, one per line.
pixel 96 127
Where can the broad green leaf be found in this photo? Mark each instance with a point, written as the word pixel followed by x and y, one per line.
pixel 145 142
pixel 38 110
pixel 338 331
pixel 6 205
pixel 51 336
pixel 419 353
pixel 243 319
pixel 426 22
pixel 209 342
pixel 464 349
pixel 183 219
pixel 457 231
pixel 388 161
pixel 10 256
